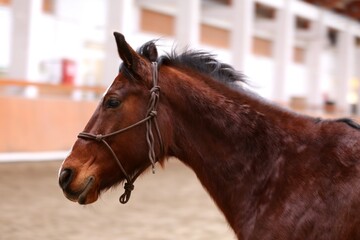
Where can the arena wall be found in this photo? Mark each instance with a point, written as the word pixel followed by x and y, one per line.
pixel 41 124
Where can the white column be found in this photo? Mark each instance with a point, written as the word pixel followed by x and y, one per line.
pixel 24 58
pixel 70 38
pixel 187 26
pixel 122 16
pixel 346 55
pixel 313 62
pixel 242 33
pixel 283 49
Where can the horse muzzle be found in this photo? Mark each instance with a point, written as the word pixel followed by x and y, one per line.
pixel 83 193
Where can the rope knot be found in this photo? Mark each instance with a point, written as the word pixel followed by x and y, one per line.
pixel 128 186
pixel 155 89
pixel 99 137
pixel 153 113
pixel 124 198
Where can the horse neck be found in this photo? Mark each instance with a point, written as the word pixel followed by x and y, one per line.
pixel 223 136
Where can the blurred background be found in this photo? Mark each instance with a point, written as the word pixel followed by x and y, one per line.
pixel 58 56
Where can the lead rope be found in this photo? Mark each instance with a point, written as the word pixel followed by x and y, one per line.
pixel 152 107
pixel 128 186
pixel 150 120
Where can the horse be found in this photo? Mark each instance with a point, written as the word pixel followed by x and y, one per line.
pixel 274 173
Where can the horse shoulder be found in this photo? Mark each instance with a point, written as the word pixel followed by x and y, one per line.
pixel 318 187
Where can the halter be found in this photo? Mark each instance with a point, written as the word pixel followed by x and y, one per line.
pixel 149 120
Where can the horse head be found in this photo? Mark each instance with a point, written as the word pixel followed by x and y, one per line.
pixel 122 134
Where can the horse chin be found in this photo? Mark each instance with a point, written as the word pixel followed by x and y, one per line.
pixel 87 193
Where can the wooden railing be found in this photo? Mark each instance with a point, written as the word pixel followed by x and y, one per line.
pixel 41 124
pixel 52 124
pixel 48 122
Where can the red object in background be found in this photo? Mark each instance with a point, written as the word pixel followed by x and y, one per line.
pixel 68 71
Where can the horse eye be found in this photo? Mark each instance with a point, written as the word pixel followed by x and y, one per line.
pixel 112 103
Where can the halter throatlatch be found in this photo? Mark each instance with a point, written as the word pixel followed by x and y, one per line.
pixel 150 121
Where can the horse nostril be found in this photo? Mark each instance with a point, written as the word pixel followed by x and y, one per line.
pixel 65 177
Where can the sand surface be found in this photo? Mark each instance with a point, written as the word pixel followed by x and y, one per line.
pixel 169 205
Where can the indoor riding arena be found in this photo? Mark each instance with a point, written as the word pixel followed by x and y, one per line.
pixel 60 112
pixel 170 204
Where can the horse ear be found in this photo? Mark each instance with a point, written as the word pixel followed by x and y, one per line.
pixel 150 52
pixel 126 53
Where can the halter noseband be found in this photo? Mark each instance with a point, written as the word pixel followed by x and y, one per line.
pixel 149 120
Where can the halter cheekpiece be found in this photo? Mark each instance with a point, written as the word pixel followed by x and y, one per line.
pixel 150 122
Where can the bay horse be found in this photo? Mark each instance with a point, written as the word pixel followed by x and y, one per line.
pixel 274 174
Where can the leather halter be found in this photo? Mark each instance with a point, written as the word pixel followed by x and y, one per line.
pixel 150 121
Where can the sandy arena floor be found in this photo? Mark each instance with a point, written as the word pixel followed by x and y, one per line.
pixel 169 205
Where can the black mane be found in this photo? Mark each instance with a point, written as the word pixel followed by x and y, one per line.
pixel 349 122
pixel 200 61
